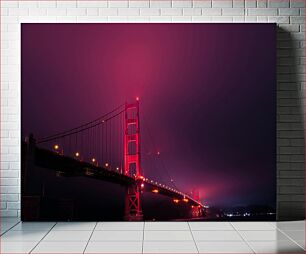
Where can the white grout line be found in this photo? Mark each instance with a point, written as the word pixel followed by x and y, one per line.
pixel 193 238
pixel 242 237
pixel 290 238
pixel 90 236
pixel 42 238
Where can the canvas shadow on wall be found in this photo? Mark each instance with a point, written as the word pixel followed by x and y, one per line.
pixel 148 121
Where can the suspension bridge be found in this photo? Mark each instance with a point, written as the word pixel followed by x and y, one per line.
pixel 108 148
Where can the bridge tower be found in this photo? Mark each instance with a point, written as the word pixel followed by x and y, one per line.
pixel 132 167
pixel 196 211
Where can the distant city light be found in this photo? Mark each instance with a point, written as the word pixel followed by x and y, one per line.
pixel 93 160
pixel 137 98
pixel 56 147
pixel 77 154
pixel 142 185
pixel 106 164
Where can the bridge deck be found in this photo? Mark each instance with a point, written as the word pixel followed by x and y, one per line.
pixel 70 167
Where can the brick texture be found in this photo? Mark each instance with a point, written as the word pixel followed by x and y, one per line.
pixel 288 14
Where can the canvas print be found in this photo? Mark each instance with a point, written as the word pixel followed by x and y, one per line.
pixel 135 122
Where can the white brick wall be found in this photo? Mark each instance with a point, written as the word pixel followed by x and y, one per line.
pixel 289 14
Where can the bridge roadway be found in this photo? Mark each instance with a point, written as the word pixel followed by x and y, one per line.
pixel 69 167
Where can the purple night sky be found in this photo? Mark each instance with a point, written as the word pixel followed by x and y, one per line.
pixel 207 94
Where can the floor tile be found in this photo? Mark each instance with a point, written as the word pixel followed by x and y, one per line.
pixel 274 235
pixel 5 226
pixel 74 226
pixel 33 226
pixel 297 236
pixel 9 220
pixel 223 247
pixel 276 247
pixel 69 236
pixel 216 236
pixel 253 226
pixel 17 247
pixel 211 226
pixel 169 247
pixel 3 230
pixel 8 224
pixel 127 225
pixel 23 236
pixel 114 247
pixel 291 225
pixel 167 235
pixel 117 236
pixel 166 225
pixel 60 247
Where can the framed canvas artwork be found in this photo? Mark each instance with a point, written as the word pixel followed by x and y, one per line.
pixel 165 122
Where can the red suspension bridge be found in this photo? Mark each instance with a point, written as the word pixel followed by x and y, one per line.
pixel 108 148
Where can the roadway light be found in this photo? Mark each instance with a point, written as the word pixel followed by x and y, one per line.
pixel 56 147
pixel 77 154
pixel 93 160
pixel 137 98
pixel 185 200
pixel 142 185
pixel 155 190
pixel 175 200
pixel 117 168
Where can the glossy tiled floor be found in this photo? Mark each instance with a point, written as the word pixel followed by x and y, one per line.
pixel 152 237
